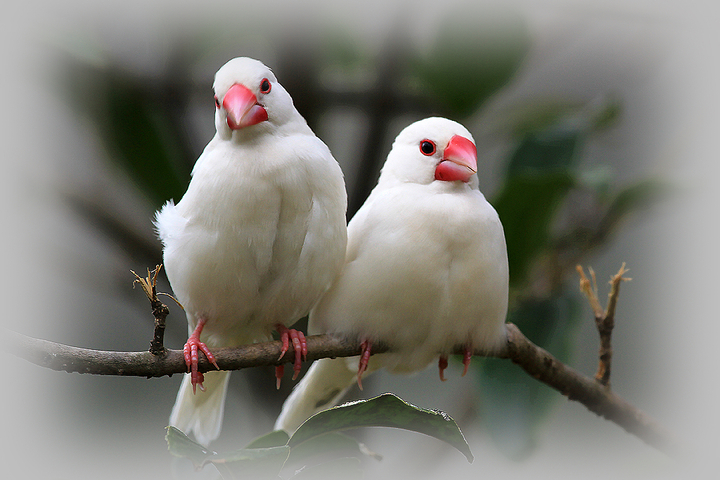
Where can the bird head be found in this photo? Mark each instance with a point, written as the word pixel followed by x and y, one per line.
pixel 247 94
pixel 432 150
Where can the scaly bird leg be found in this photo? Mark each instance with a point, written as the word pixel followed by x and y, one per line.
pixel 190 352
pixel 467 358
pixel 366 346
pixel 443 364
pixel 299 342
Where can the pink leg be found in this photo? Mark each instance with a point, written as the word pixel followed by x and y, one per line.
pixel 443 364
pixel 467 358
pixel 366 346
pixel 279 372
pixel 299 342
pixel 190 352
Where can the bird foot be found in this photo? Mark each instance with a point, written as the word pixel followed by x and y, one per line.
pixel 190 353
pixel 279 372
pixel 467 358
pixel 365 353
pixel 299 343
pixel 443 364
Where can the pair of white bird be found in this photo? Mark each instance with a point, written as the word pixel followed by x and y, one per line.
pixel 259 240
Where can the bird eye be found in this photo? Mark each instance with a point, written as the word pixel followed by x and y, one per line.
pixel 217 102
pixel 427 147
pixel 265 86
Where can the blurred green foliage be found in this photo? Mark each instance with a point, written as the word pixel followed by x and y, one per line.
pixel 468 62
pixel 513 404
pixel 138 126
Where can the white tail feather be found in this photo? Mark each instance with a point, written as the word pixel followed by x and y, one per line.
pixel 202 412
pixel 322 387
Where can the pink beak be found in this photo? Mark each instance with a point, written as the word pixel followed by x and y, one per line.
pixel 242 108
pixel 459 161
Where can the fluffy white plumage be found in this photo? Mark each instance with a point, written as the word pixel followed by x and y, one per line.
pixel 259 235
pixel 426 268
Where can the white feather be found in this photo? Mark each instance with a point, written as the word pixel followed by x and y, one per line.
pixel 201 413
pixel 258 236
pixel 426 270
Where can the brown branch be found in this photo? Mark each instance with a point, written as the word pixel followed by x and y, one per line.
pixel 604 318
pixel 70 359
pixel 534 360
pixel 160 311
pixel 596 397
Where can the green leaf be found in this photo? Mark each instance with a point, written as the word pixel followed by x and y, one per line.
pixel 540 174
pixel 245 463
pixel 328 446
pixel 635 197
pixel 181 446
pixel 275 438
pixel 340 468
pixel 551 150
pixel 607 115
pixel 526 206
pixel 141 135
pixel 543 115
pixel 469 61
pixel 252 463
pixel 513 403
pixel 386 410
pixel 140 129
pixel 616 208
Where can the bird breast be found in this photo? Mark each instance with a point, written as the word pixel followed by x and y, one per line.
pixel 259 244
pixel 427 271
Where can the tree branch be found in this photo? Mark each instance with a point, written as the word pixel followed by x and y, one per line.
pixel 70 359
pixel 534 360
pixel 604 319
pixel 596 397
pixel 160 311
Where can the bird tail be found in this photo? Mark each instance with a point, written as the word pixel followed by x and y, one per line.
pixel 322 387
pixel 201 412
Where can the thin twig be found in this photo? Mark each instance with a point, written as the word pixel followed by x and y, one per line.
pixel 590 290
pixel 160 310
pixel 604 318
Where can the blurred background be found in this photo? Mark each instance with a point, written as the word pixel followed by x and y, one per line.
pixel 596 126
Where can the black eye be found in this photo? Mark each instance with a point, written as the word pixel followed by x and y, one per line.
pixel 217 102
pixel 265 86
pixel 427 147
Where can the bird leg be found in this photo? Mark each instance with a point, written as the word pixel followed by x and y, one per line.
pixel 190 352
pixel 467 357
pixel 365 346
pixel 299 342
pixel 442 364
pixel 279 372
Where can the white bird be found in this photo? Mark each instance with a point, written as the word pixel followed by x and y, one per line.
pixel 425 269
pixel 257 238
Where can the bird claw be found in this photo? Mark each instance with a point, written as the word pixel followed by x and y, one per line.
pixel 365 353
pixel 467 358
pixel 190 353
pixel 442 365
pixel 299 343
pixel 279 371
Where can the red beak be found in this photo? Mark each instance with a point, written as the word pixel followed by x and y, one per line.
pixel 242 108
pixel 459 161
